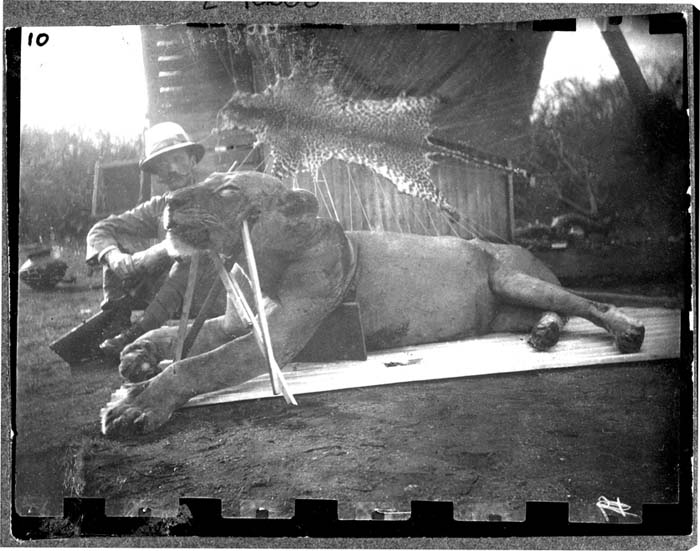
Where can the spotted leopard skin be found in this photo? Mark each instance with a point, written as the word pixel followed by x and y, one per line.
pixel 305 123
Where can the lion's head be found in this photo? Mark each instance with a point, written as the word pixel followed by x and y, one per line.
pixel 210 215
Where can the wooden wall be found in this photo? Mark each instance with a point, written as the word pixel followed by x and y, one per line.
pixel 361 200
pixel 116 187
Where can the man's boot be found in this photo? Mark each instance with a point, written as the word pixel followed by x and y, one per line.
pixel 113 347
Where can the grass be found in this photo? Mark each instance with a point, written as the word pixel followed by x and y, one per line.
pixel 55 405
pixel 43 316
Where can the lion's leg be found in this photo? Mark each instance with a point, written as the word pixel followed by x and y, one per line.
pixel 514 319
pixel 140 360
pixel 143 407
pixel 525 290
pixel 311 287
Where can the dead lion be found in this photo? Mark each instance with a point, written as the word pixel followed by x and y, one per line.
pixel 411 289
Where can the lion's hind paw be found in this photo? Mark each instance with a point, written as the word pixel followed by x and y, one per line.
pixel 631 340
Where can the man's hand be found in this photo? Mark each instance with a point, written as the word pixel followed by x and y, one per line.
pixel 120 263
pixel 128 265
pixel 151 257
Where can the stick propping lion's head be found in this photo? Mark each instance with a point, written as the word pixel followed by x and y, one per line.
pixel 210 215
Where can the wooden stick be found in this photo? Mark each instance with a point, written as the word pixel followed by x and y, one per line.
pixel 276 377
pixel 260 327
pixel 257 294
pixel 239 303
pixel 186 305
pixel 211 298
pixel 247 315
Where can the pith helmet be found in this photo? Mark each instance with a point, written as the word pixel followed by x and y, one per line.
pixel 165 137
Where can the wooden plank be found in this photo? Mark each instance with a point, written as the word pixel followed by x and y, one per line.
pixel 582 344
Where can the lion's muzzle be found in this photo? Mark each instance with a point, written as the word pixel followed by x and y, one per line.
pixel 185 232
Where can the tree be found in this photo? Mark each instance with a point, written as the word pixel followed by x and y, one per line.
pixel 56 176
pixel 598 153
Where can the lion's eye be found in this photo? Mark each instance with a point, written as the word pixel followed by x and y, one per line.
pixel 226 190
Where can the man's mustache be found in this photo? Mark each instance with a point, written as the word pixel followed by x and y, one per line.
pixel 174 176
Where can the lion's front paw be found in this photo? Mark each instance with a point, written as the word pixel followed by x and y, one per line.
pixel 138 362
pixel 130 412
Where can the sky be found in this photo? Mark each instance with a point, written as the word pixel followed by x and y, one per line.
pixel 584 54
pixel 92 78
pixel 84 77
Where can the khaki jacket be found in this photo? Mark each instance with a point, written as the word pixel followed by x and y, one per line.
pixel 131 231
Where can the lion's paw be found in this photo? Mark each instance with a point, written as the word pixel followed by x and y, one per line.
pixel 546 333
pixel 129 413
pixel 138 362
pixel 628 332
pixel 631 339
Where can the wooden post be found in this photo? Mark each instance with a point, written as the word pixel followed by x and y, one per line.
pixel 144 187
pixel 511 205
pixel 626 63
pixel 97 178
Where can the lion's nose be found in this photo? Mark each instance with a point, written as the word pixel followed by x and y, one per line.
pixel 175 201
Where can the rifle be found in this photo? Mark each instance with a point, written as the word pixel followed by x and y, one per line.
pixel 80 344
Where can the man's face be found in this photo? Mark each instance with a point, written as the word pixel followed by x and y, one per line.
pixel 174 169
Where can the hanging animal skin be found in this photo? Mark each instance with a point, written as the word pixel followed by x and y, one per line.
pixel 305 123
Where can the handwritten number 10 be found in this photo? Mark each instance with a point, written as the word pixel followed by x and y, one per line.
pixel 41 39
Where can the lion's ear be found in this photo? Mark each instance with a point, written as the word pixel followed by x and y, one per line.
pixel 298 202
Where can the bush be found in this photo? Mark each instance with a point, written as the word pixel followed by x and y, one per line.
pixel 56 177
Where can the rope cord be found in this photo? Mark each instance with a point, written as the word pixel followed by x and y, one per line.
pixel 328 191
pixel 387 202
pixel 351 179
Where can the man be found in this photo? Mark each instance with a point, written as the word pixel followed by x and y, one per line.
pixel 136 275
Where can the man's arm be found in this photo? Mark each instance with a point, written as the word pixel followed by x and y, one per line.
pixel 129 231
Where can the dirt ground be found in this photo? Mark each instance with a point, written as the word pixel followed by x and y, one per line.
pixel 488 444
